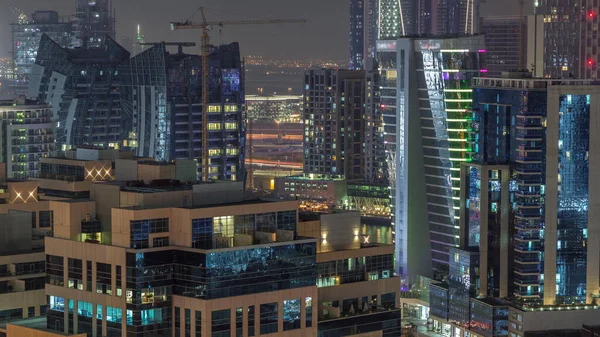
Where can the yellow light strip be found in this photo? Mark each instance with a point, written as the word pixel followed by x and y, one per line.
pixel 457 120
pixel 458 150
pixel 456 110
pixel 457 130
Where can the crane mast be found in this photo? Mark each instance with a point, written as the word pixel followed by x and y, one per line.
pixel 205 53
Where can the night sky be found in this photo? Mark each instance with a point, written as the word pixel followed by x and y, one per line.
pixel 325 35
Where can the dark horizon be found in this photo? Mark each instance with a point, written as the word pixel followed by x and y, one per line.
pixel 324 36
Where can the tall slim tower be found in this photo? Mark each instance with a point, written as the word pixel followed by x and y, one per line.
pixel 357 34
pixel 93 21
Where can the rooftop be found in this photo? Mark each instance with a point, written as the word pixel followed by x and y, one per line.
pixel 37 323
pixel 155 186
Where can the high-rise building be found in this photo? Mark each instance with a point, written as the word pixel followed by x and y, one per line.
pixel 150 103
pixel 425 95
pixel 26 135
pixel 82 86
pixel 357 35
pixel 505 42
pixel 275 108
pixel 333 123
pixel 93 21
pixel 570 44
pixel 526 205
pixel 26 37
pixel 162 94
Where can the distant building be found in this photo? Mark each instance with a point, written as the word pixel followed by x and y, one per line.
pixel 82 86
pixel 333 122
pixel 505 43
pixel 26 37
pixel 357 35
pixel 565 39
pixel 27 134
pixel 93 21
pixel 162 94
pixel 278 108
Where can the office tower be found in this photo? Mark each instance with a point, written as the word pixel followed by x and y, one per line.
pixel 162 93
pixel 357 35
pixel 570 47
pixel 425 95
pixel 275 108
pixel 357 289
pixel 82 86
pixel 333 123
pixel 553 185
pixel 26 37
pixel 27 135
pixel 505 42
pixel 526 203
pixel 93 21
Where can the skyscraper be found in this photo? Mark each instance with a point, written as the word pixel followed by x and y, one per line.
pixel 94 20
pixel 570 42
pixel 26 37
pixel 333 123
pixel 553 154
pixel 357 35
pixel 82 86
pixel 162 94
pixel 505 42
pixel 150 103
pixel 425 95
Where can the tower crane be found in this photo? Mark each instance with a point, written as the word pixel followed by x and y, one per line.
pixel 205 26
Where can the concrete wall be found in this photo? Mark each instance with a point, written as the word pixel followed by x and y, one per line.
pixel 24 331
pixel 68 217
pixel 185 170
pixel 550 320
pixel 126 170
pixel 340 231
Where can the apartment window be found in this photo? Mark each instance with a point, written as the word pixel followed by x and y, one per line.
pixel 268 318
pixel 308 311
pixel 57 303
pixel 231 126
pixel 119 285
pixel 88 264
pixel 188 323
pixel 198 323
pixel 54 270
pixel 10 314
pixel 141 229
pixel 215 108
pixel 177 322
pixel 75 274
pixel 286 220
pixel 291 314
pixel 221 323
pixel 232 152
pixel 46 219
pixel 239 314
pixel 251 321
pixel 103 278
pixel 388 300
pixel 162 241
pixel 214 152
pixel 214 126
pixel 231 108
pixel 84 309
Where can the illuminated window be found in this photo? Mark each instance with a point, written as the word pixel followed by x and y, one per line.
pixel 214 126
pixel 232 152
pixel 231 126
pixel 214 152
pixel 214 108
pixel 231 108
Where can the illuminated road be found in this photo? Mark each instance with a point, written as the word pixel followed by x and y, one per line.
pixel 264 136
pixel 273 163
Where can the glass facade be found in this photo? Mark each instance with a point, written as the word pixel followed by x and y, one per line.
pixel 473 205
pixel 369 268
pixel 573 195
pixel 388 322
pixel 436 82
pixel 463 282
